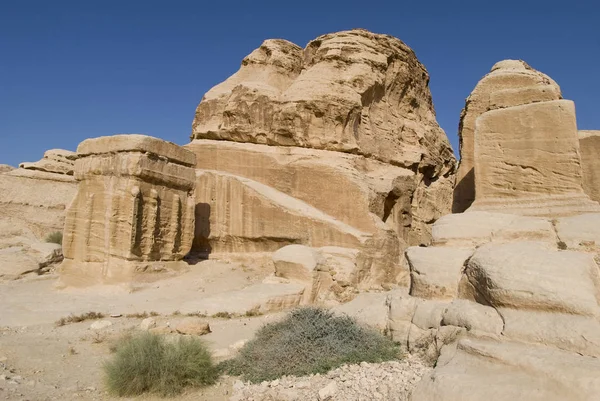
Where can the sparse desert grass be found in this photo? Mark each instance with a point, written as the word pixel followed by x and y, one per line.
pixel 196 314
pixel 308 341
pixel 223 315
pixel 253 312
pixel 142 315
pixel 55 237
pixel 147 363
pixel 79 318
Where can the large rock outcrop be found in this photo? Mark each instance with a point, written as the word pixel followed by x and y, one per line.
pixel 589 146
pixel 33 200
pixel 510 83
pixel 134 205
pixel 36 194
pixel 525 147
pixel 57 161
pixel 507 300
pixel 352 91
pixel 332 145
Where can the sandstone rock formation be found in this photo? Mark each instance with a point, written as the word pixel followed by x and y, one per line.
pixel 589 146
pixel 32 206
pixel 332 145
pixel 134 205
pixel 352 91
pixel 510 83
pixel 525 146
pixel 523 304
pixel 35 195
pixel 57 161
pixel 5 168
pixel 479 369
pixel 507 300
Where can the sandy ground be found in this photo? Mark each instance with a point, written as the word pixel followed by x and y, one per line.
pixel 42 361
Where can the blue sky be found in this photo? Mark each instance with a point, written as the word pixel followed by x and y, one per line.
pixel 71 70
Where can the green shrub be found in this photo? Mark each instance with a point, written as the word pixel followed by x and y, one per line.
pixel 307 341
pixel 147 363
pixel 56 237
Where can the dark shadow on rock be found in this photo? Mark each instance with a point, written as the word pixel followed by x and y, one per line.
pixel 464 193
pixel 201 248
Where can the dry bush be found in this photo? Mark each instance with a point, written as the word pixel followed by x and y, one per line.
pixel 223 315
pixel 147 363
pixel 79 318
pixel 309 341
pixel 55 237
pixel 142 315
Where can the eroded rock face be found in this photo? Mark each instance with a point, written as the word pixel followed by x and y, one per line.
pixel 526 296
pixel 5 168
pixel 589 146
pixel 34 196
pixel 332 145
pixel 520 147
pixel 134 204
pixel 33 199
pixel 351 91
pixel 510 83
pixel 57 161
pixel 475 370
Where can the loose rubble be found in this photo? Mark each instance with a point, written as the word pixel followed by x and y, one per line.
pixel 392 380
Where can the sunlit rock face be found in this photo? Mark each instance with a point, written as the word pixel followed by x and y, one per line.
pixel 589 146
pixel 509 83
pixel 335 144
pixel 520 142
pixel 134 203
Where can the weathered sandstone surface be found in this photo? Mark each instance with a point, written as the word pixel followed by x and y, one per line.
pixel 332 145
pixel 36 194
pixel 57 161
pixel 589 147
pixel 33 199
pixel 510 83
pixel 507 300
pixel 351 91
pixel 525 147
pixel 134 204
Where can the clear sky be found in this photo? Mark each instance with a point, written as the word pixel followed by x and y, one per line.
pixel 71 70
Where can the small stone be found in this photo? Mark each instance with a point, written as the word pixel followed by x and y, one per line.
pixel 275 383
pixel 116 315
pixel 238 385
pixel 100 324
pixel 147 324
pixel 3 377
pixel 161 330
pixel 327 392
pixel 193 326
pixel 302 385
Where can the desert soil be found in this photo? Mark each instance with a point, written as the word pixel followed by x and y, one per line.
pixel 40 360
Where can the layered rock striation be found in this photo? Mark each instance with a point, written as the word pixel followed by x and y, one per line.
pixel 332 145
pixel 134 205
pixel 509 83
pixel 525 146
pixel 589 146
